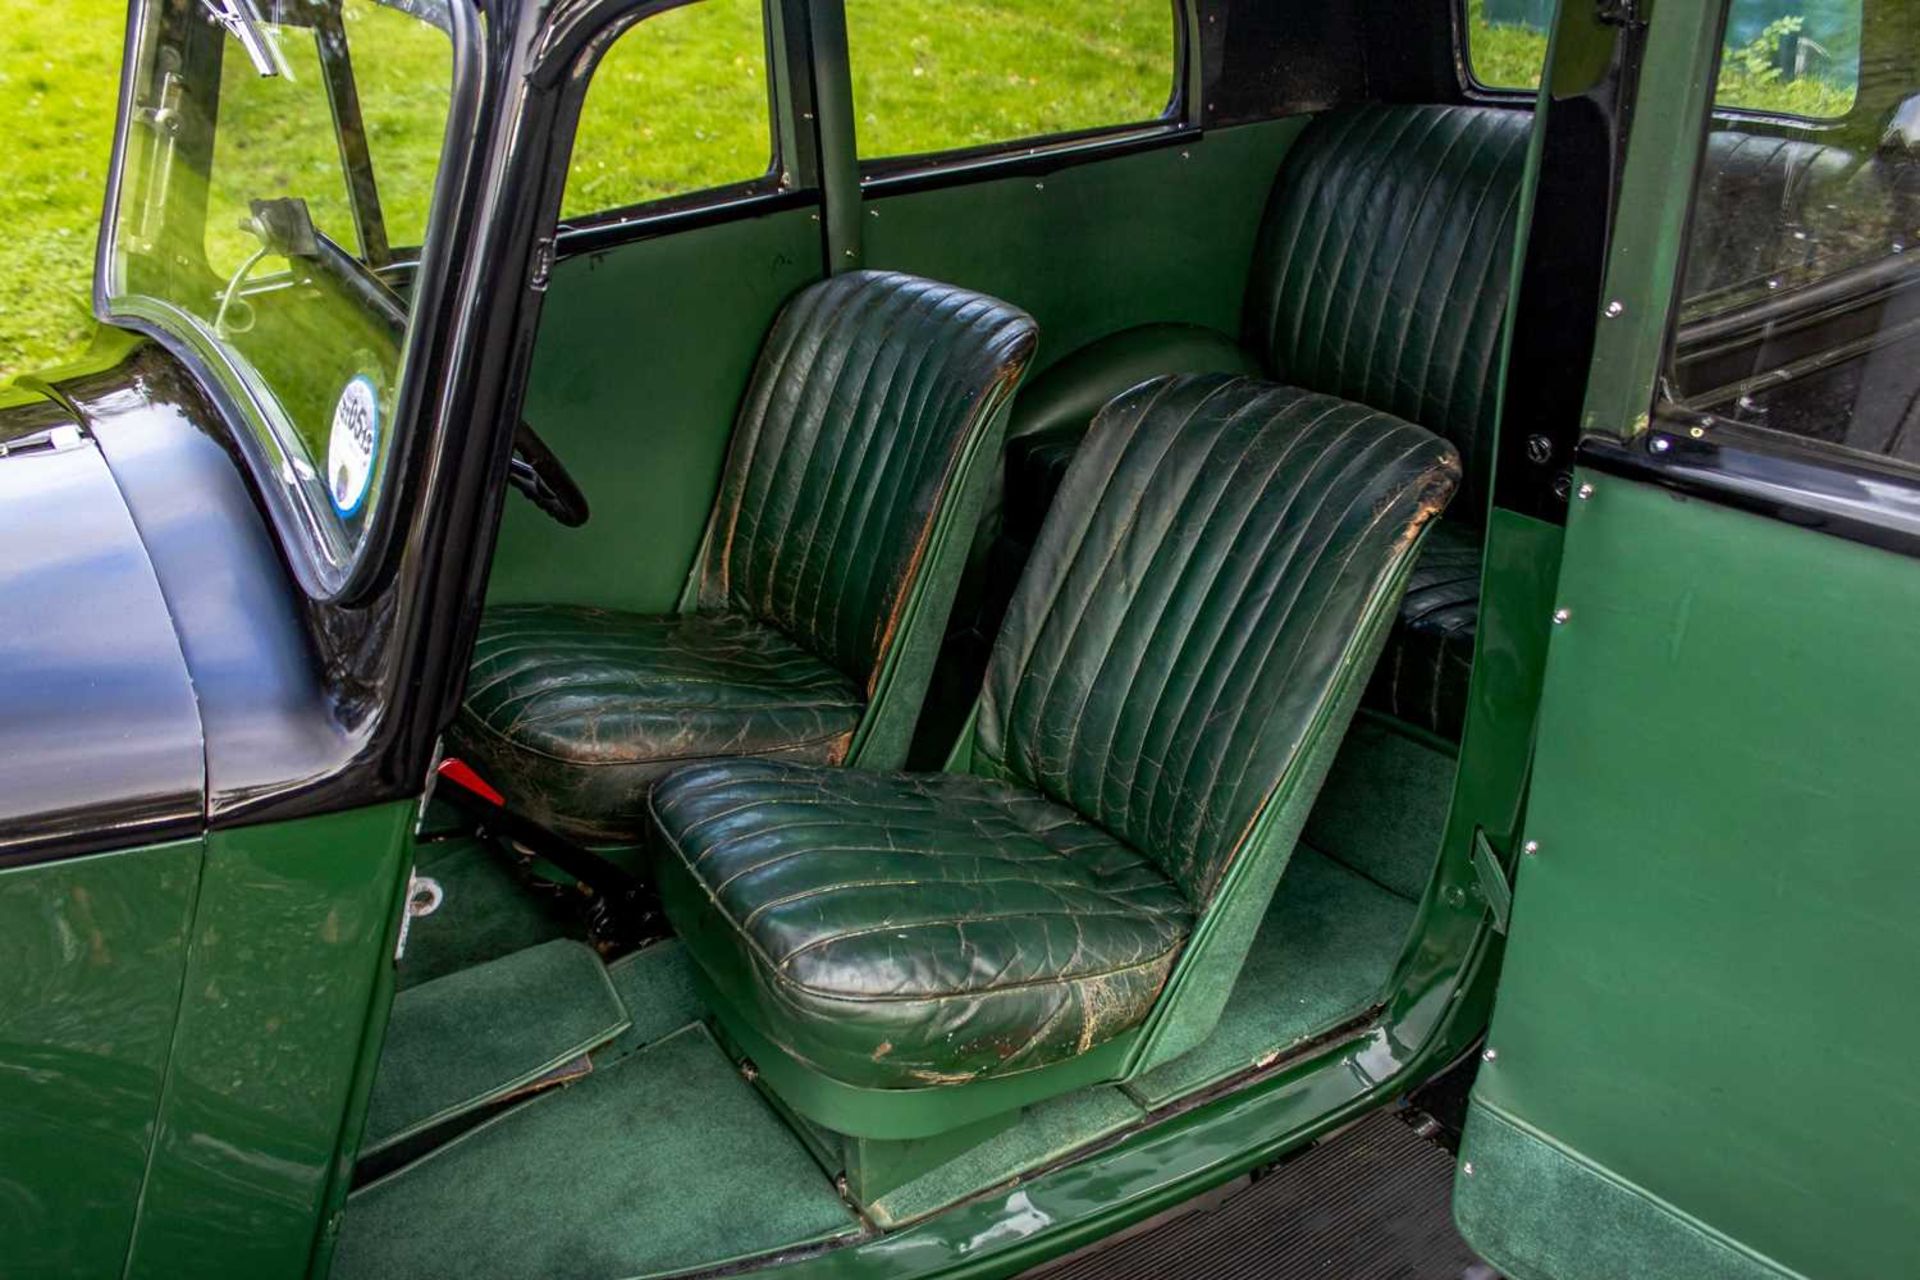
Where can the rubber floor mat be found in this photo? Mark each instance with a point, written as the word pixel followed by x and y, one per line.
pixel 1372 1203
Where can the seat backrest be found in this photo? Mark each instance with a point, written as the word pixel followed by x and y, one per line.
pixel 1192 603
pixel 1382 268
pixel 872 398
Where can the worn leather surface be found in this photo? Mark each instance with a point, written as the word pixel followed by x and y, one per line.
pixel 1425 668
pixel 1168 655
pixel 1383 265
pixel 588 707
pixel 851 434
pixel 1164 655
pixel 871 392
pixel 896 930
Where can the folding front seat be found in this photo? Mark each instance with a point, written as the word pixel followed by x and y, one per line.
pixel 904 954
pixel 851 490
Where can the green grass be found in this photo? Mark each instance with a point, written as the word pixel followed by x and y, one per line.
pixel 679 105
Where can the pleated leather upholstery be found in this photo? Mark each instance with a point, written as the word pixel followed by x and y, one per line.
pixel 566 695
pixel 1163 661
pixel 852 431
pixel 1173 651
pixel 872 394
pixel 1383 266
pixel 1424 671
pixel 911 929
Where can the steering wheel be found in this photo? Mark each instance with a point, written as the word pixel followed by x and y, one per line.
pixel 285 228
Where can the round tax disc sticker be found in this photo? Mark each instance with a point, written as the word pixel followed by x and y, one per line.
pixel 351 445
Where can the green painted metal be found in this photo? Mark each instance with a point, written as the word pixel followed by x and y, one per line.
pixel 1723 895
pixel 291 941
pixel 92 950
pixel 836 130
pixel 1182 218
pixel 638 398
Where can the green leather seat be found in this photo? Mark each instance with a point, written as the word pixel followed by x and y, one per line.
pixel 851 489
pixel 1380 276
pixel 1182 652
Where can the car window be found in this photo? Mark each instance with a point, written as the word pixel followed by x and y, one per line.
pixel 942 77
pixel 1789 57
pixel 1800 303
pixel 679 104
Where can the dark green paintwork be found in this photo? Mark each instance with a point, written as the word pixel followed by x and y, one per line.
pixel 1709 947
pixel 1161 236
pixel 643 355
pixel 291 940
pixel 92 951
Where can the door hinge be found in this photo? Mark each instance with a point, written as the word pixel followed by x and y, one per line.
pixel 1490 879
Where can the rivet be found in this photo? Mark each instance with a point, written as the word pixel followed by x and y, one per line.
pixel 1039 186
pixel 1530 848
pixel 1584 492
pixel 1467 1168
pixel 1616 309
pixel 1660 444
pixel 873 213
pixel 847 252
pixel 1561 615
pixel 1186 155
pixel 1489 1055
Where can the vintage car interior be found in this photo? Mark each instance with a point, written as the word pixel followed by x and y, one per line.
pixel 994 664
pixel 1208 583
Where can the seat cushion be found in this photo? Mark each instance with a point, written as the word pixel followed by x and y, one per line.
pixel 897 930
pixel 1424 670
pixel 572 713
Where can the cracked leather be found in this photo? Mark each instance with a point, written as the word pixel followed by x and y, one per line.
pixel 869 392
pixel 1169 653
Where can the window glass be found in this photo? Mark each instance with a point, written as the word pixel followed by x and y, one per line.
pixel 1791 57
pixel 678 104
pixel 1801 298
pixel 260 159
pixel 940 77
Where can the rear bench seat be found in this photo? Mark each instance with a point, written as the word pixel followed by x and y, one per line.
pixel 1380 277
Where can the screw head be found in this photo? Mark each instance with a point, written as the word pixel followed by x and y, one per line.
pixel 1488 1055
pixel 1561 615
pixel 1530 848
pixel 1467 1168
pixel 1584 492
pixel 1539 449
pixel 1659 444
pixel 1616 309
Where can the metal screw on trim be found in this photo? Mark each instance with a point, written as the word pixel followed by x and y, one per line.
pixel 1039 186
pixel 1467 1168
pixel 1562 483
pixel 1659 444
pixel 1539 449
pixel 1561 615
pixel 1530 848
pixel 1489 1055
pixel 1616 309
pixel 1584 492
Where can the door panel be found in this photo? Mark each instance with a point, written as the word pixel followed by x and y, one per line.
pixel 643 355
pixel 1712 946
pixel 91 950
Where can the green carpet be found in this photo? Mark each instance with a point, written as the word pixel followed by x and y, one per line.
pixel 1383 809
pixel 1325 951
pixel 485 1033
pixel 487 912
pixel 656 986
pixel 665 1161
pixel 1046 1131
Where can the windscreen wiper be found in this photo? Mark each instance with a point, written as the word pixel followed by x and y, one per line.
pixel 242 22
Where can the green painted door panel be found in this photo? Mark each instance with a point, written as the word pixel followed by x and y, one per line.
pixel 290 939
pixel 1700 1058
pixel 91 951
pixel 643 355
pixel 1160 235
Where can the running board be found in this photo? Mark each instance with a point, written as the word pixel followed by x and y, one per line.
pixel 1372 1200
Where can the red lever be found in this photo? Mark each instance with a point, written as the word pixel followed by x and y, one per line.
pixel 461 775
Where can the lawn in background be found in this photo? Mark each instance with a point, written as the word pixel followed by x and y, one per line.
pixel 679 105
